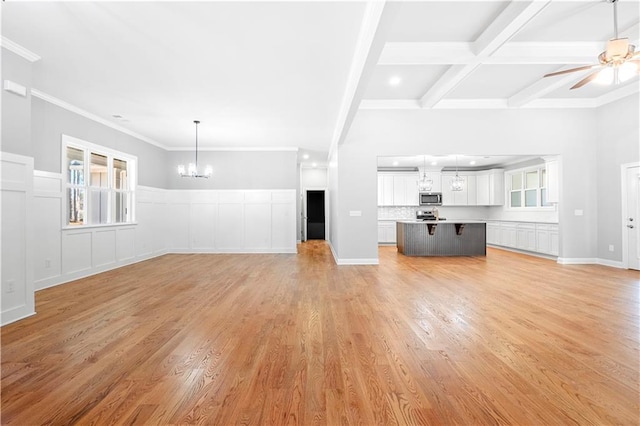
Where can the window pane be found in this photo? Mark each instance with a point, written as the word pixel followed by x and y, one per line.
pixel 530 198
pixel 543 178
pixel 516 181
pixel 99 206
pixel 121 207
pixel 75 202
pixel 99 171
pixel 516 199
pixel 120 174
pixel 532 179
pixel 75 166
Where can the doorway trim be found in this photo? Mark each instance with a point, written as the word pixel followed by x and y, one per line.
pixel 303 225
pixel 624 168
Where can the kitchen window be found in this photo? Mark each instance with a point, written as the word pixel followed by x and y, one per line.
pixel 527 188
pixel 100 184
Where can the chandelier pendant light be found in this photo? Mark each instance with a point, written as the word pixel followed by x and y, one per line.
pixel 457 183
pixel 192 169
pixel 425 184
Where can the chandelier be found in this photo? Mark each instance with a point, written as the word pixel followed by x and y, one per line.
pixel 457 183
pixel 192 168
pixel 425 184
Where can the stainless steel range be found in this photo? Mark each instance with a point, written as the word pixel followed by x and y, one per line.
pixel 431 214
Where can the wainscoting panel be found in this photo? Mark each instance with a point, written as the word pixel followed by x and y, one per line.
pixel 16 187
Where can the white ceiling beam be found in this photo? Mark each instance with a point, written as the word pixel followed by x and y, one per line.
pixel 547 53
pixel 366 38
pixel 510 53
pixel 540 88
pixel 505 26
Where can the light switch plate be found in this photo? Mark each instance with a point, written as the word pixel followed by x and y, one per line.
pixel 355 213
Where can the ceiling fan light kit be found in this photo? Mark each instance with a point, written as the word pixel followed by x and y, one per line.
pixel 192 169
pixel 617 64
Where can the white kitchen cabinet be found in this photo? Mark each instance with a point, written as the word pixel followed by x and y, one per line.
pixel 547 240
pixel 490 188
pixel 493 233
pixel 508 235
pixel 454 198
pixel 471 189
pixel 526 236
pixel 387 231
pixel 398 189
pixel 552 180
pixel 385 189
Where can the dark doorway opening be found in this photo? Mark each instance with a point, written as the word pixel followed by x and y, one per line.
pixel 315 215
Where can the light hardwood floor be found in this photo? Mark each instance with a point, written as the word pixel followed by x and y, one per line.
pixel 271 339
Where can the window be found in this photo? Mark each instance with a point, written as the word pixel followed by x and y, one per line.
pixel 527 188
pixel 100 184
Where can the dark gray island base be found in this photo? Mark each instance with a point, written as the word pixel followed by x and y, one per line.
pixel 440 238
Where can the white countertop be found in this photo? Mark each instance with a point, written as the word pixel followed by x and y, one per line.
pixel 439 222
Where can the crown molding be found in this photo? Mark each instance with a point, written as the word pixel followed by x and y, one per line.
pixel 76 110
pixel 245 149
pixel 19 50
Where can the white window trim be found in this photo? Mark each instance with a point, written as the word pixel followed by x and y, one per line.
pixel 507 186
pixel 88 147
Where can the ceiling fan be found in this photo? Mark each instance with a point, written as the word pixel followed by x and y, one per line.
pixel 618 63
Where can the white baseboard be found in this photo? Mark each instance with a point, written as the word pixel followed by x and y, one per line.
pixel 357 262
pixel 611 263
pixel 351 261
pixel 15 314
pixel 577 260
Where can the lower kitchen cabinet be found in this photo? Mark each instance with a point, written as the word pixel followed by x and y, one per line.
pixel 526 236
pixel 386 231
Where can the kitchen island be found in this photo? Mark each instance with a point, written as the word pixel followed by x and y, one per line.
pixel 442 238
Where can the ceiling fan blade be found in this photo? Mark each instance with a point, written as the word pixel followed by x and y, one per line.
pixel 586 67
pixel 617 48
pixel 586 80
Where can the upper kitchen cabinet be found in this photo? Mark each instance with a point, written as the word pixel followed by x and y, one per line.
pixel 552 179
pixel 490 188
pixel 465 197
pixel 398 189
pixel 482 188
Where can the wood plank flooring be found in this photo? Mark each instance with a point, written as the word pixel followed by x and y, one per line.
pixel 295 339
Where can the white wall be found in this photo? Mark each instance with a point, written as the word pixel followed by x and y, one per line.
pixel 618 143
pixel 569 133
pixel 313 178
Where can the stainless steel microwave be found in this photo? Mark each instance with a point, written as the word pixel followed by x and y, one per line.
pixel 430 199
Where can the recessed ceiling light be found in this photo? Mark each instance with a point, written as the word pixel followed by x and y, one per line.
pixel 305 156
pixel 314 164
pixel 395 163
pixel 434 163
pixel 472 162
pixel 395 80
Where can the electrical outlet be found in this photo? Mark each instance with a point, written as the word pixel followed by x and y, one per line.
pixel 611 247
pixel 11 284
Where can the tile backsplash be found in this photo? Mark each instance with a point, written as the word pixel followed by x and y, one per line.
pixel 398 212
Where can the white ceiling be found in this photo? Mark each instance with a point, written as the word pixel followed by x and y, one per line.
pixel 283 74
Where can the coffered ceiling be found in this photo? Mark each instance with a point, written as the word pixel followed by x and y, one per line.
pixel 290 74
